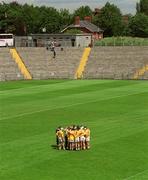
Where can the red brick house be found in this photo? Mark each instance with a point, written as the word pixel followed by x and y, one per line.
pixel 85 26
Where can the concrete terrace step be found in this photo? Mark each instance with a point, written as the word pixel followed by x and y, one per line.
pixel 41 63
pixel 8 68
pixel 115 62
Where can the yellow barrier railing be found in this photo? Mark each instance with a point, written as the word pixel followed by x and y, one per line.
pixel 20 64
pixel 80 70
pixel 141 72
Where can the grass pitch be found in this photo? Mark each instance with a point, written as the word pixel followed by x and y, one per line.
pixel 115 111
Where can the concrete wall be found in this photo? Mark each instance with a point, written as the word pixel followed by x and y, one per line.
pixel 64 40
pixel 83 41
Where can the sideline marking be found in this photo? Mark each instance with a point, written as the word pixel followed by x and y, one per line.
pixel 135 175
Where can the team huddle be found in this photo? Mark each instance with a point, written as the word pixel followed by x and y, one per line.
pixel 73 138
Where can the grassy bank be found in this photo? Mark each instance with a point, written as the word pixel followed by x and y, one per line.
pixel 122 41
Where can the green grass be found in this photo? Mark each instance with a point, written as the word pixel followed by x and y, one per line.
pixel 115 111
pixel 122 41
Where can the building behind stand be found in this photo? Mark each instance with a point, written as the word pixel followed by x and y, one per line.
pixel 63 40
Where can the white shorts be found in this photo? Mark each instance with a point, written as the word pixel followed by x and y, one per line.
pixel 71 140
pixel 87 139
pixel 60 140
pixel 77 139
pixel 82 138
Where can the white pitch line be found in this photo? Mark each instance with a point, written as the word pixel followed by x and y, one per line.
pixel 75 104
pixel 142 172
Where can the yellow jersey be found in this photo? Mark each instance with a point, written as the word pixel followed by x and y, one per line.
pixel 71 135
pixel 87 132
pixel 60 134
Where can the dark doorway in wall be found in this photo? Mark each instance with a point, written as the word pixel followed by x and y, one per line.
pixel 35 42
pixel 73 42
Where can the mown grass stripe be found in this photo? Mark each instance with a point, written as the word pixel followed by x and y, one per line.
pixel 77 98
pixel 62 107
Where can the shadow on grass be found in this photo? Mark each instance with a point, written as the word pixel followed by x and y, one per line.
pixel 54 146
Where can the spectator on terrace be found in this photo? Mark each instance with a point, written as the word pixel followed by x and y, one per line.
pixel 51 46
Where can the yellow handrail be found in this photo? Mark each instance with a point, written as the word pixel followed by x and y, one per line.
pixel 20 64
pixel 82 64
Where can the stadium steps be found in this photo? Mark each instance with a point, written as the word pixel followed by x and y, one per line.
pixel 8 68
pixel 42 65
pixel 66 63
pixel 115 62
pixel 36 60
pixel 20 64
pixel 83 61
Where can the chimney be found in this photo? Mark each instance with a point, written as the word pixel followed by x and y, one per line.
pixel 77 20
pixel 87 18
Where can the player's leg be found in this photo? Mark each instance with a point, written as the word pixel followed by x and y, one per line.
pixel 77 144
pixel 88 142
pixel 60 143
pixel 83 143
pixel 72 145
pixel 63 144
pixel 66 142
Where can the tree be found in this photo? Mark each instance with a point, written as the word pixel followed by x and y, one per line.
pixel 142 7
pixel 3 16
pixel 139 25
pixel 126 19
pixel 66 18
pixel 39 18
pixel 110 20
pixel 11 18
pixel 49 19
pixel 15 19
pixel 82 12
pixel 31 18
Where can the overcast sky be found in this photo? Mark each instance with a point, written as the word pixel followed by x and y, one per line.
pixel 126 6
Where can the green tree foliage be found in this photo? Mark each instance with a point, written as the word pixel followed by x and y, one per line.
pixel 39 18
pixel 12 19
pixel 110 20
pixel 139 25
pixel 126 19
pixel 3 15
pixel 82 12
pixel 15 19
pixel 49 19
pixel 31 18
pixel 66 18
pixel 142 7
pixel 25 19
